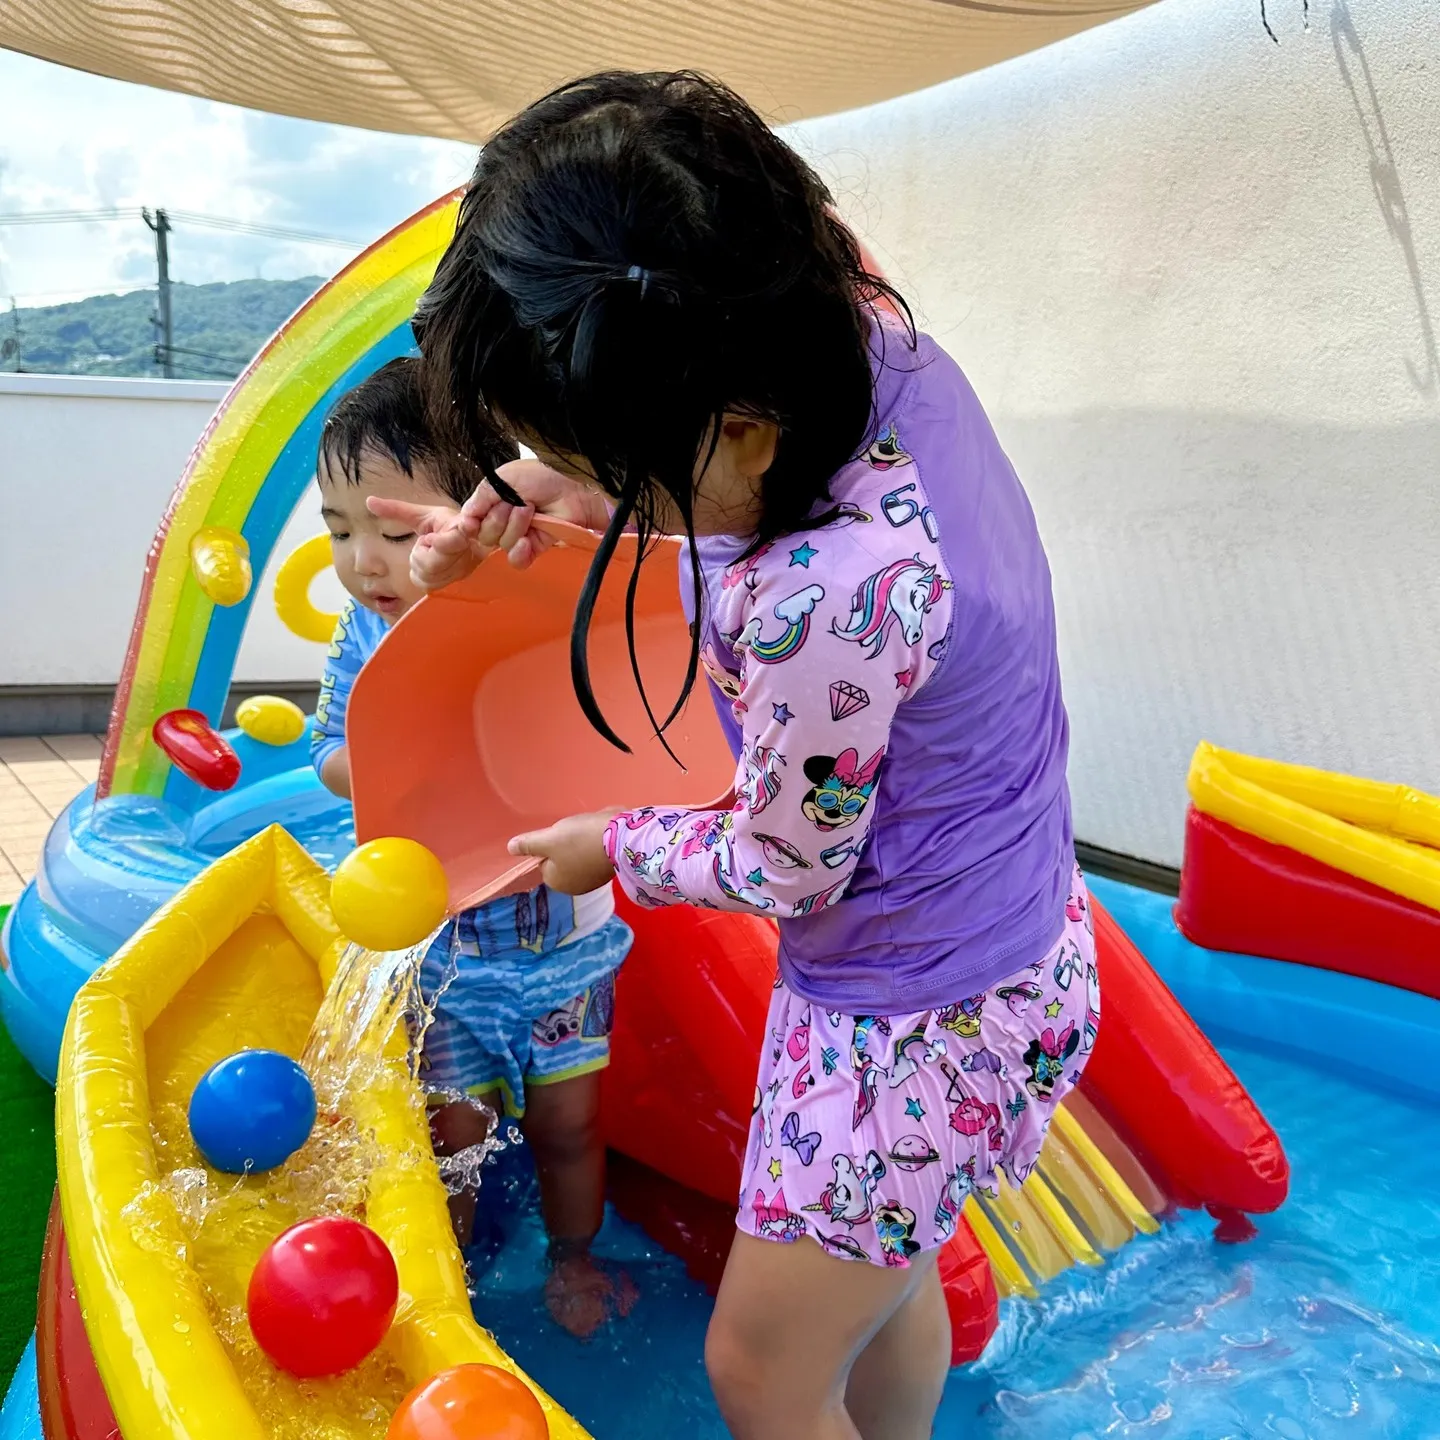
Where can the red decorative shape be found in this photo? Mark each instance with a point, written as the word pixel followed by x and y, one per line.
pixel 195 748
pixel 970 1296
pixel 73 1403
pixel 1240 893
pixel 1233 1227
pixel 1162 1084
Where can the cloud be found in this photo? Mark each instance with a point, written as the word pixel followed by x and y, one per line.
pixel 71 141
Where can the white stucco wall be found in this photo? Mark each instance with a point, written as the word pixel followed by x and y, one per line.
pixel 87 466
pixel 1193 276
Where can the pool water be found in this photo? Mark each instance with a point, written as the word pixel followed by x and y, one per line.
pixel 1327 1324
pixel 329 834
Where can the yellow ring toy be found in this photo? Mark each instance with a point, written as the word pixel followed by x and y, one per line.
pixel 292 592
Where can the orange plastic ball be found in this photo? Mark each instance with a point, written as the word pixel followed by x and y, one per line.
pixel 470 1402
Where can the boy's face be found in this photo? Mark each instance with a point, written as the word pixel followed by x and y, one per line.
pixel 372 557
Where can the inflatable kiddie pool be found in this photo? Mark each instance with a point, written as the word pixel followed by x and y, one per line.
pixel 1158 1121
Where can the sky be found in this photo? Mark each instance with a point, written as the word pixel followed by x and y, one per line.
pixel 71 141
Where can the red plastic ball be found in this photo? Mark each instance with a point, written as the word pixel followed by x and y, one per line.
pixel 470 1402
pixel 322 1296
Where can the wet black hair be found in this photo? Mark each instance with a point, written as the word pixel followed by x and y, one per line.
pixel 387 413
pixel 636 256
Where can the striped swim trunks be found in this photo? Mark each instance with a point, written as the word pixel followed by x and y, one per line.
pixel 514 1015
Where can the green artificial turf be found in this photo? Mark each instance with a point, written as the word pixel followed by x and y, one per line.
pixel 27 1181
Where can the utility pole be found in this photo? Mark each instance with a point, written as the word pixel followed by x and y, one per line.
pixel 159 222
pixel 14 347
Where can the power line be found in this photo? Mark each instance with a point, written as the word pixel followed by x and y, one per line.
pixel 168 355
pixel 256 227
pixel 190 217
pixel 192 370
pixel 63 217
pixel 206 355
pixel 65 297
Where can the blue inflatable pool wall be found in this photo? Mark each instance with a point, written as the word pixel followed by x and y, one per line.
pixel 106 867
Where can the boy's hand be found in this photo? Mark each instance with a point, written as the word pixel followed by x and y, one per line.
pixel 573 851
pixel 447 546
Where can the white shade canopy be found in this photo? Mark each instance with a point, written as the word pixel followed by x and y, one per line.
pixel 457 68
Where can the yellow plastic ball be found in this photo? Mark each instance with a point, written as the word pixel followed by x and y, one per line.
pixel 389 894
pixel 271 719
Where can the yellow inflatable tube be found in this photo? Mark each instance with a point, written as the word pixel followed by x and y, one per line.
pixel 240 957
pixel 297 612
pixel 1386 834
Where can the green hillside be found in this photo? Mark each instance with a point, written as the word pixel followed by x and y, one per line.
pixel 224 324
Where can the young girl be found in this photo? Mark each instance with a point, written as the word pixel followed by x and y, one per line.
pixel 650 288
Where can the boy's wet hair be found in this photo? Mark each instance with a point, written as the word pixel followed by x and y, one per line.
pixel 636 256
pixel 387 414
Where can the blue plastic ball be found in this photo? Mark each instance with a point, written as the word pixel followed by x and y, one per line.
pixel 252 1111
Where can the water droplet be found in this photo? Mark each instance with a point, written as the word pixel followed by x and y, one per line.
pixel 181 1327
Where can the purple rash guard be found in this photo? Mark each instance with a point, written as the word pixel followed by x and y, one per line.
pixel 890 685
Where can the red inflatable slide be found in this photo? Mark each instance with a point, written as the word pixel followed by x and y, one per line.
pixel 1170 1122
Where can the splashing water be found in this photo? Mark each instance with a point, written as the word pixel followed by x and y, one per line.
pixel 362 1053
pixel 376 995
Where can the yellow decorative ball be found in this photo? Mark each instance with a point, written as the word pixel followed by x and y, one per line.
pixel 271 719
pixel 220 562
pixel 389 894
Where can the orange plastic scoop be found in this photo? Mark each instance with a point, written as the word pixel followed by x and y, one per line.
pixel 464 729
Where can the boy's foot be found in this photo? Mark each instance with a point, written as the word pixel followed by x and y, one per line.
pixel 581 1297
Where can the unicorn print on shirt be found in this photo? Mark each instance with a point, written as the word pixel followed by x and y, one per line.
pixel 762 777
pixel 901 594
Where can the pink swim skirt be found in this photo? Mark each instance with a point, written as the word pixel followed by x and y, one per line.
pixel 870 1131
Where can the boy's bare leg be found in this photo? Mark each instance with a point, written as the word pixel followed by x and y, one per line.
pixel 562 1128
pixel 456 1127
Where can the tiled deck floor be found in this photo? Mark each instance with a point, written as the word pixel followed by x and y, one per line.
pixel 39 776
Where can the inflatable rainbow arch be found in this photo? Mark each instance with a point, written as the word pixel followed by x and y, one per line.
pixel 247 473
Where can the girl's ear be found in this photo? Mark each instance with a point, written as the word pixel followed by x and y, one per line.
pixel 751 444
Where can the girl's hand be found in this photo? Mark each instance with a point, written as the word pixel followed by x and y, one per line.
pixel 500 526
pixel 573 852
